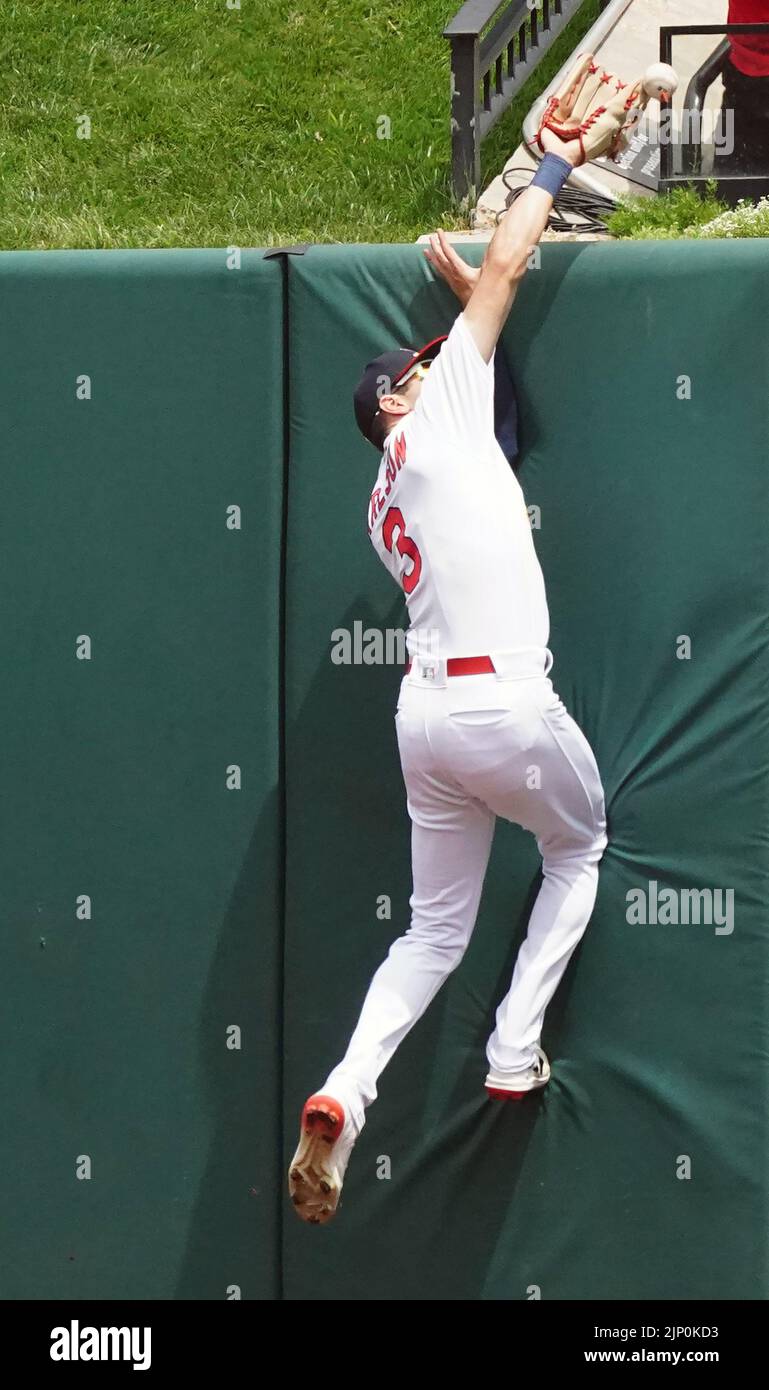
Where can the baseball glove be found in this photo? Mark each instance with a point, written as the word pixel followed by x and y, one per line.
pixel 595 108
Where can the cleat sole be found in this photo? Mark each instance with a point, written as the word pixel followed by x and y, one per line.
pixel 313 1182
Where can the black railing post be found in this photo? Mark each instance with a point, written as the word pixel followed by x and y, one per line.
pixel 466 143
pixel 495 47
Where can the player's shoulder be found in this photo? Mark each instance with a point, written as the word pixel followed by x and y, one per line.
pixel 461 335
pixel 459 360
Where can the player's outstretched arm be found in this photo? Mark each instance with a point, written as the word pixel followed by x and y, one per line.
pixel 504 265
pixel 591 114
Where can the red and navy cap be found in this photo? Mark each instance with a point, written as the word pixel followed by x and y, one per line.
pixel 382 376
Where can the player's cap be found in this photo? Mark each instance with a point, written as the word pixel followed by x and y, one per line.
pixel 383 375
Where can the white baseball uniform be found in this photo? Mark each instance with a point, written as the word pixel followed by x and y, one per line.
pixel 448 519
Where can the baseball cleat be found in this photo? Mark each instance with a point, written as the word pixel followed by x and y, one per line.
pixel 515 1085
pixel 317 1169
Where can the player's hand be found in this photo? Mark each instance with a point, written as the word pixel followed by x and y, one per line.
pixel 554 144
pixel 591 114
pixel 459 276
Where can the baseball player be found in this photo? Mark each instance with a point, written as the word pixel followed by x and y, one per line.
pixel 481 732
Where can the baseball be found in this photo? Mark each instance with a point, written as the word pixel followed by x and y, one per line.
pixel 660 81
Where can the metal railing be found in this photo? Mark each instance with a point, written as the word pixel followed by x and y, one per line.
pixel 694 100
pixel 486 73
pixel 730 185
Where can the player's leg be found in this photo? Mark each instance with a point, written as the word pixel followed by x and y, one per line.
pixel 451 837
pixel 566 812
pixel 450 845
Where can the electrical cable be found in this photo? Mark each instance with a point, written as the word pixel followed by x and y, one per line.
pixel 592 208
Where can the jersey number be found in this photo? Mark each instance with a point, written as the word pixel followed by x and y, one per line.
pixel 404 545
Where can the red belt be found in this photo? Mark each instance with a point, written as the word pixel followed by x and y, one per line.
pixel 466 666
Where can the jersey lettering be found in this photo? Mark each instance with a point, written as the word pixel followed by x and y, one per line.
pixel 405 546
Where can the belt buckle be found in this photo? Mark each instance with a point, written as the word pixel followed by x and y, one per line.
pixel 431 670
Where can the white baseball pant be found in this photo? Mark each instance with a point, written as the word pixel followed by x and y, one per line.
pixel 473 748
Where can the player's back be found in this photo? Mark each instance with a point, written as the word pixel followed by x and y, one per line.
pixel 448 519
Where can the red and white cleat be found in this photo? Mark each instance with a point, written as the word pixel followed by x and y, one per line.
pixel 515 1085
pixel 318 1167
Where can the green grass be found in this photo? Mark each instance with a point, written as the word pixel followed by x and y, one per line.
pixel 211 126
pixel 684 213
pixel 672 215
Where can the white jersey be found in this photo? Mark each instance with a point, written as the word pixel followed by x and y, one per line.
pixel 448 520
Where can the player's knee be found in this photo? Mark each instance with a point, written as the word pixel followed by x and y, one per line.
pixel 591 833
pixel 444 939
pixel 594 837
pixel 582 848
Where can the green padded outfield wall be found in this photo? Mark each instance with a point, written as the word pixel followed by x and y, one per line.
pixel 149 908
pixel 642 1171
pixel 140 885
